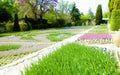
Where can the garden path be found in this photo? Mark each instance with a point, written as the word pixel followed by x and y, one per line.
pixel 19 65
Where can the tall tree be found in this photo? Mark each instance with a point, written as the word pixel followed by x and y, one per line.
pixel 40 7
pixel 7 10
pixel 98 15
pixel 64 7
pixel 16 23
pixel 75 14
pixel 116 4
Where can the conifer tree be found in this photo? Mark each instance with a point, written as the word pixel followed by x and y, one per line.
pixel 98 15
pixel 16 23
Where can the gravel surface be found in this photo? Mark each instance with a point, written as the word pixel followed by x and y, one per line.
pixel 15 67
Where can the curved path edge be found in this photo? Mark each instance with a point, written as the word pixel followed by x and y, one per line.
pixel 16 67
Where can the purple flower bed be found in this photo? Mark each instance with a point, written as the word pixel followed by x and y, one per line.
pixel 95 36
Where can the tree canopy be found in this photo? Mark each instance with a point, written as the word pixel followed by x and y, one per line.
pixel 75 14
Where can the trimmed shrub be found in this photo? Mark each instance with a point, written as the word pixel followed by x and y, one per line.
pixel 9 26
pixel 115 20
pixel 23 26
pixel 26 21
pixel 16 23
pixel 60 22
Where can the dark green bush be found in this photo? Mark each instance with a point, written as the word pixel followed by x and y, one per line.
pixel 4 15
pixel 9 26
pixel 16 23
pixel 115 20
pixel 32 23
pixel 60 22
pixel 28 24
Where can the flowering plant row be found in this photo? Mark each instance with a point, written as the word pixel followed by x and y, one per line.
pixel 95 38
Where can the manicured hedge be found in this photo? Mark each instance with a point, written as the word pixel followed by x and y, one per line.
pixel 74 59
pixel 115 20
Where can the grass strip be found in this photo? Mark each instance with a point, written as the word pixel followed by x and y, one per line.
pixel 9 47
pixel 58 36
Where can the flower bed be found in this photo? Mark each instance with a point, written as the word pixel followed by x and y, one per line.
pixel 74 59
pixel 96 38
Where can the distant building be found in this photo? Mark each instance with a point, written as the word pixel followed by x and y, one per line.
pixel 105 20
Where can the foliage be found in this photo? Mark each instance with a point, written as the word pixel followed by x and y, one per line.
pixel 115 20
pixel 90 13
pixel 23 26
pixel 9 26
pixel 75 14
pixel 51 14
pixel 85 17
pixel 41 6
pixel 25 10
pixel 9 47
pixel 7 9
pixel 64 7
pixel 74 59
pixel 60 22
pixel 113 5
pixel 16 23
pixel 98 16
pixel 110 5
pixel 105 14
pixel 28 25
pixel 116 4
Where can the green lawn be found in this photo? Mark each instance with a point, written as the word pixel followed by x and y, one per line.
pixel 100 29
pixel 74 59
pixel 59 36
pixel 9 47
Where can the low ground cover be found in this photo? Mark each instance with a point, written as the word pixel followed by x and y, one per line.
pixel 58 36
pixel 9 47
pixel 26 35
pixel 74 59
pixel 12 57
pixel 98 35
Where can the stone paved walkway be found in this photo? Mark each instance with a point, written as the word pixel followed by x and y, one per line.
pixel 19 65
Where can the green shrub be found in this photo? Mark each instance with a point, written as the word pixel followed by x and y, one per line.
pixel 115 20
pixel 51 18
pixel 23 26
pixel 60 22
pixel 74 59
pixel 16 23
pixel 9 26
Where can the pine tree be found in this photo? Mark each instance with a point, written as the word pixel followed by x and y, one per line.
pixel 75 14
pixel 16 24
pixel 98 15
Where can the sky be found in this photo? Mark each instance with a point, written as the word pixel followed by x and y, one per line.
pixel 84 5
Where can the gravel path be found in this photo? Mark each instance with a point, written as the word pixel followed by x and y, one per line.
pixel 19 65
pixel 26 46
